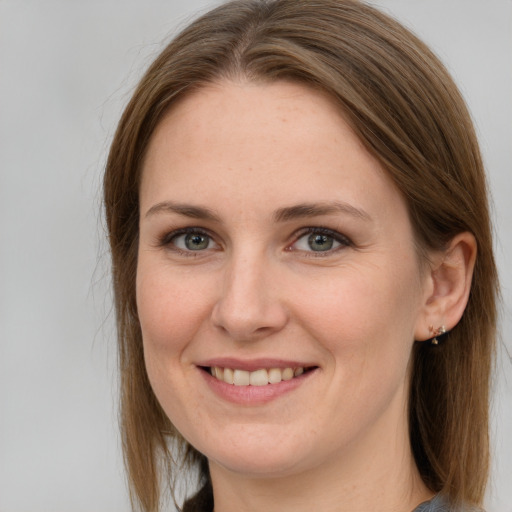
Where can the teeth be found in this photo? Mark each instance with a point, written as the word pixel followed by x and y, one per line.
pixel 288 374
pixel 240 378
pixel 257 378
pixel 274 375
pixel 229 376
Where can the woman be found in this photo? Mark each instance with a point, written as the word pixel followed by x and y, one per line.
pixel 303 270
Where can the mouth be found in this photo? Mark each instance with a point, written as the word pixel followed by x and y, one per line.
pixel 259 377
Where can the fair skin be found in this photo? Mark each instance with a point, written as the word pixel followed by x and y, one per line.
pixel 272 242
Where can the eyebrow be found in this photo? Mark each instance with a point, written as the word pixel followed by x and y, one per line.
pixel 305 210
pixel 299 211
pixel 187 210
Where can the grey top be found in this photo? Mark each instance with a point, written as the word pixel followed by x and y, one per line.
pixel 439 504
pixel 436 504
pixel 203 502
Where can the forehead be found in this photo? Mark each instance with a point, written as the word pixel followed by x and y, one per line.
pixel 284 142
pixel 219 112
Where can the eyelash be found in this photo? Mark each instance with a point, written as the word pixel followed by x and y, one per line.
pixel 319 230
pixel 168 240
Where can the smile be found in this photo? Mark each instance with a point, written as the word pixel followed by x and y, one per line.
pixel 261 377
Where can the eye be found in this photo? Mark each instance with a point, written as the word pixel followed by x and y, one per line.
pixel 190 240
pixel 320 240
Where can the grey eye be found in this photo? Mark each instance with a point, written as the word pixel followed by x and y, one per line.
pixel 320 242
pixel 192 242
pixel 197 242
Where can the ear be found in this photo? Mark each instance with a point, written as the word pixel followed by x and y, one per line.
pixel 447 284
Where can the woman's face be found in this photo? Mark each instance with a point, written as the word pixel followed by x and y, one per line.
pixel 277 254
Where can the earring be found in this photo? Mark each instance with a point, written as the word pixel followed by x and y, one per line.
pixel 435 333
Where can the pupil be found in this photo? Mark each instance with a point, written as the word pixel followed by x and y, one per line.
pixel 320 242
pixel 196 242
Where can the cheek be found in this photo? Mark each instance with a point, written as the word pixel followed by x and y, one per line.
pixel 359 301
pixel 170 312
pixel 366 324
pixel 170 308
pixel 365 319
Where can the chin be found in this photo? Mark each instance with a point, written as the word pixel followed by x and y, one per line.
pixel 263 466
pixel 260 456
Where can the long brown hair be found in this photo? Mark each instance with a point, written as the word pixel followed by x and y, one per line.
pixel 405 108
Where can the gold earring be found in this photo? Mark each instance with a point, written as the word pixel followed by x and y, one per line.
pixel 435 333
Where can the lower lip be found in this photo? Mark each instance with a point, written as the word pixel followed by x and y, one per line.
pixel 254 395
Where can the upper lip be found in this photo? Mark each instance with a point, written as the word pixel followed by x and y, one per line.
pixel 252 365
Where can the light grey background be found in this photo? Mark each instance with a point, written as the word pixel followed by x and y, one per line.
pixel 66 69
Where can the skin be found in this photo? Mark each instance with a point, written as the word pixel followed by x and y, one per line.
pixel 339 441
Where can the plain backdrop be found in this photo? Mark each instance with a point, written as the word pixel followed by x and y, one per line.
pixel 66 69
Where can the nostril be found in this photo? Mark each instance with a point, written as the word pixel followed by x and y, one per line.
pixel 251 323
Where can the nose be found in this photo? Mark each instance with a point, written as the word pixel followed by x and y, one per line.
pixel 250 305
